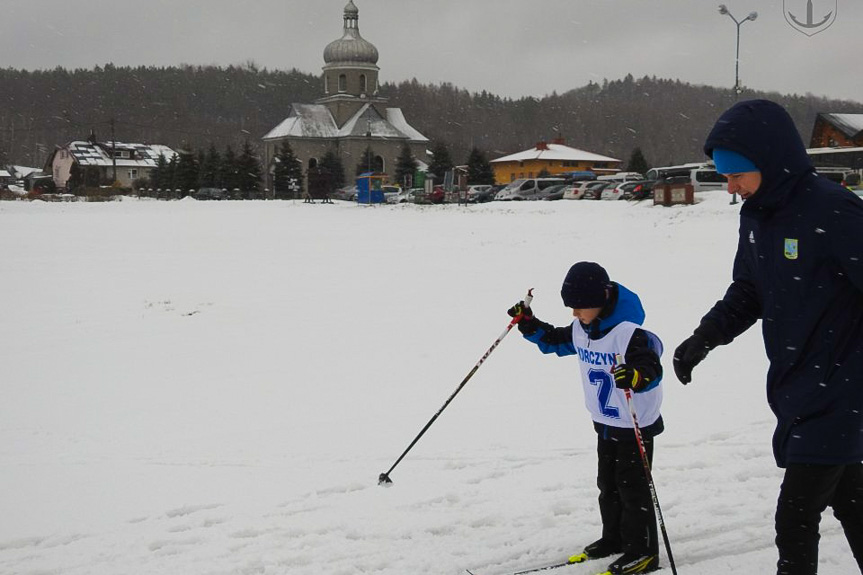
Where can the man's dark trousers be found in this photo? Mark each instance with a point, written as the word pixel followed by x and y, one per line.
pixel 806 492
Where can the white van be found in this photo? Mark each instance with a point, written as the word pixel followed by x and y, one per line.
pixel 702 177
pixel 621 177
pixel 526 189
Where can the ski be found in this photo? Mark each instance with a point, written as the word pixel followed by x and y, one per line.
pixel 578 558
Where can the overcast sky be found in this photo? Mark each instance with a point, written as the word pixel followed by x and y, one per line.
pixel 509 47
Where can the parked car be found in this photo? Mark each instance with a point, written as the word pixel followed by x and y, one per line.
pixel 480 193
pixel 348 193
pixel 437 195
pixel 638 190
pixel 613 192
pixel 593 190
pixel 576 191
pixel 391 194
pixel 552 193
pixel 210 194
pixel 526 189
pixel 413 195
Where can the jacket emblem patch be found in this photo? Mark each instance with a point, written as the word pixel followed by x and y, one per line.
pixel 791 249
pixel 751 237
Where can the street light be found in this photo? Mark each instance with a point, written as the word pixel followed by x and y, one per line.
pixel 723 9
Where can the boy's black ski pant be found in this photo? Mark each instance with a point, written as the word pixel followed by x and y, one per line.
pixel 806 492
pixel 625 503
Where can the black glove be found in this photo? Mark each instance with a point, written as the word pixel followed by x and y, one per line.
pixel 689 354
pixel 627 377
pixel 522 310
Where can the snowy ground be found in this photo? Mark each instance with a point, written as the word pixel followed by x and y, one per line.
pixel 214 387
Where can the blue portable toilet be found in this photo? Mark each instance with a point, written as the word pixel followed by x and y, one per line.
pixel 369 188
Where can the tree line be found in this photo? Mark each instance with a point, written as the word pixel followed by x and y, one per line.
pixel 190 107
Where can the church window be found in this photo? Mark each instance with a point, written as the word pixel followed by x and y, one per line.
pixel 363 87
pixel 343 83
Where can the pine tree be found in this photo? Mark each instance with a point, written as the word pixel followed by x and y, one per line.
pixel 479 170
pixel 406 166
pixel 367 161
pixel 209 172
pixel 186 176
pixel 331 165
pixel 287 174
pixel 228 171
pixel 637 162
pixel 249 172
pixel 441 162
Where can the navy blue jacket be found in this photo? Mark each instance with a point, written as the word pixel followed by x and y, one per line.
pixel 798 268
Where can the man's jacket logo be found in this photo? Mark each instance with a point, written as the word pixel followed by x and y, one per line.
pixel 806 18
pixel 791 248
pixel 751 237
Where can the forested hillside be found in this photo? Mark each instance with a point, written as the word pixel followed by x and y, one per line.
pixel 193 106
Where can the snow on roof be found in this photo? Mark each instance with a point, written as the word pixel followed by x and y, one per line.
pixel 316 121
pixel 305 121
pixel 850 124
pixel 5 174
pixel 23 171
pixel 834 150
pixel 397 119
pixel 99 154
pixel 555 152
pixel 367 121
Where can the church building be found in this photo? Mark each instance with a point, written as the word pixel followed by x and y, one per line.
pixel 350 117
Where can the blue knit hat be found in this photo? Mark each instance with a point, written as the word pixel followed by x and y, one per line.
pixel 584 286
pixel 728 162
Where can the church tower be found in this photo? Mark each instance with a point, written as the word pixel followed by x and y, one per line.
pixel 350 70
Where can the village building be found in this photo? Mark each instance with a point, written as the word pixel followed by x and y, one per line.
pixel 114 161
pixel 552 158
pixel 350 118
pixel 837 130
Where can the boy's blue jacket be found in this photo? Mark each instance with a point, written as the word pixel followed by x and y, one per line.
pixel 623 305
pixel 798 268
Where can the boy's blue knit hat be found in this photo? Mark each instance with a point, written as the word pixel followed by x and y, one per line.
pixel 585 286
pixel 728 162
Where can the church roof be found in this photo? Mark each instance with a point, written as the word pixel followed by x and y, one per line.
pixel 306 121
pixel 316 121
pixel 555 152
pixel 351 47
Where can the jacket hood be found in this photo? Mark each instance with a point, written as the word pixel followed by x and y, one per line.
pixel 627 308
pixel 763 132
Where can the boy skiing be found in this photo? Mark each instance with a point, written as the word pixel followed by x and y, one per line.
pixel 615 354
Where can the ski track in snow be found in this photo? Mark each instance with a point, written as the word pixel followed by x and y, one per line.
pixel 152 450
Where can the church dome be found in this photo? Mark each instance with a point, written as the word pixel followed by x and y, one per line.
pixel 351 47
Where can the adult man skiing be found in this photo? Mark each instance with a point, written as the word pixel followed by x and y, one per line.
pixel 798 268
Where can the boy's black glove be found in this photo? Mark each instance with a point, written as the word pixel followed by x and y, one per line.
pixel 527 324
pixel 522 310
pixel 627 377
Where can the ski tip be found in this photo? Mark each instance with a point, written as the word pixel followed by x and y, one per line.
pixel 579 558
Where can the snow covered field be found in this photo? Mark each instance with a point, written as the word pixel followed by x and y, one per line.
pixel 214 388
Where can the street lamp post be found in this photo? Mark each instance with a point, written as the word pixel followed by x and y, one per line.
pixel 723 9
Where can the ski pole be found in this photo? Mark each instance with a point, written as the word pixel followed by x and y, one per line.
pixel 384 478
pixel 647 472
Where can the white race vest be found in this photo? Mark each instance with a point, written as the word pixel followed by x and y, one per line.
pixel 605 402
